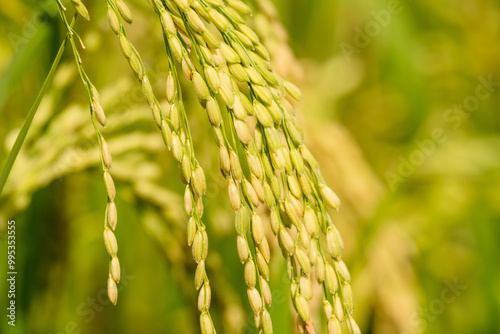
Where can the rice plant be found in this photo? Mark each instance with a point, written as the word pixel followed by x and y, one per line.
pixel 274 183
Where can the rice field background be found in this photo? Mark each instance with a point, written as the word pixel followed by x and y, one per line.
pixel 401 109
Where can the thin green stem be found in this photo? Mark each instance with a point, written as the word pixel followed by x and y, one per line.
pixel 21 137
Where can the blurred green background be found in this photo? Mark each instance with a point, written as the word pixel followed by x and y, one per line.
pixel 401 110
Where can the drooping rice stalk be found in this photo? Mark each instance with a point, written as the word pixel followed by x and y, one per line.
pixel 276 156
pixel 261 153
pixel 98 115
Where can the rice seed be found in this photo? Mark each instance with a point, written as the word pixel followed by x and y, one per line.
pixel 269 196
pixel 199 181
pixel 266 292
pixel 247 42
pixel 354 328
pixel 114 269
pixel 176 47
pixel 348 297
pixel 188 201
pixel 302 307
pixel 226 90
pixel 218 20
pixel 334 242
pixel 273 139
pixel 255 76
pixel 241 221
pixel 112 290
pixel 197 248
pixel 225 165
pixel 177 147
pixel 264 249
pixel 166 134
pixel 339 309
pixel 293 90
pixel 81 9
pixel 170 88
pixel 124 11
pixel 327 309
pixel 275 223
pixel 204 297
pixel 263 94
pixel 239 110
pixel 199 274
pixel 195 21
pixel 113 21
pixel 303 260
pixel 334 326
pixel 200 86
pixel 98 112
pixel 250 274
pixel 313 252
pixel 305 185
pixel 187 69
pixel 257 228
pixel 267 75
pixel 320 271
pixel 240 6
pixel 205 322
pixel 286 241
pixel 239 72
pixel 332 282
pixel 250 193
pixel 254 165
pixel 342 270
pixel 292 212
pixel 136 66
pixel 293 186
pixel 234 15
pixel 229 54
pixel 262 265
pixel 262 114
pixel 110 242
pixel 257 186
pixel 213 79
pixel 182 4
pixel 234 195
pixel 156 112
pixel 249 33
pixel 109 185
pixel 304 237
pixel 242 132
pixel 213 112
pixel 255 300
pixel 191 231
pixel 243 250
pixel 305 287
pixel 294 133
pixel 267 325
pixel 216 3
pixel 311 222
pixel 330 197
pixel 167 22
pixel 306 154
pixel 112 215
pixel 125 46
pixel 236 170
pixel 174 116
pixel 210 39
